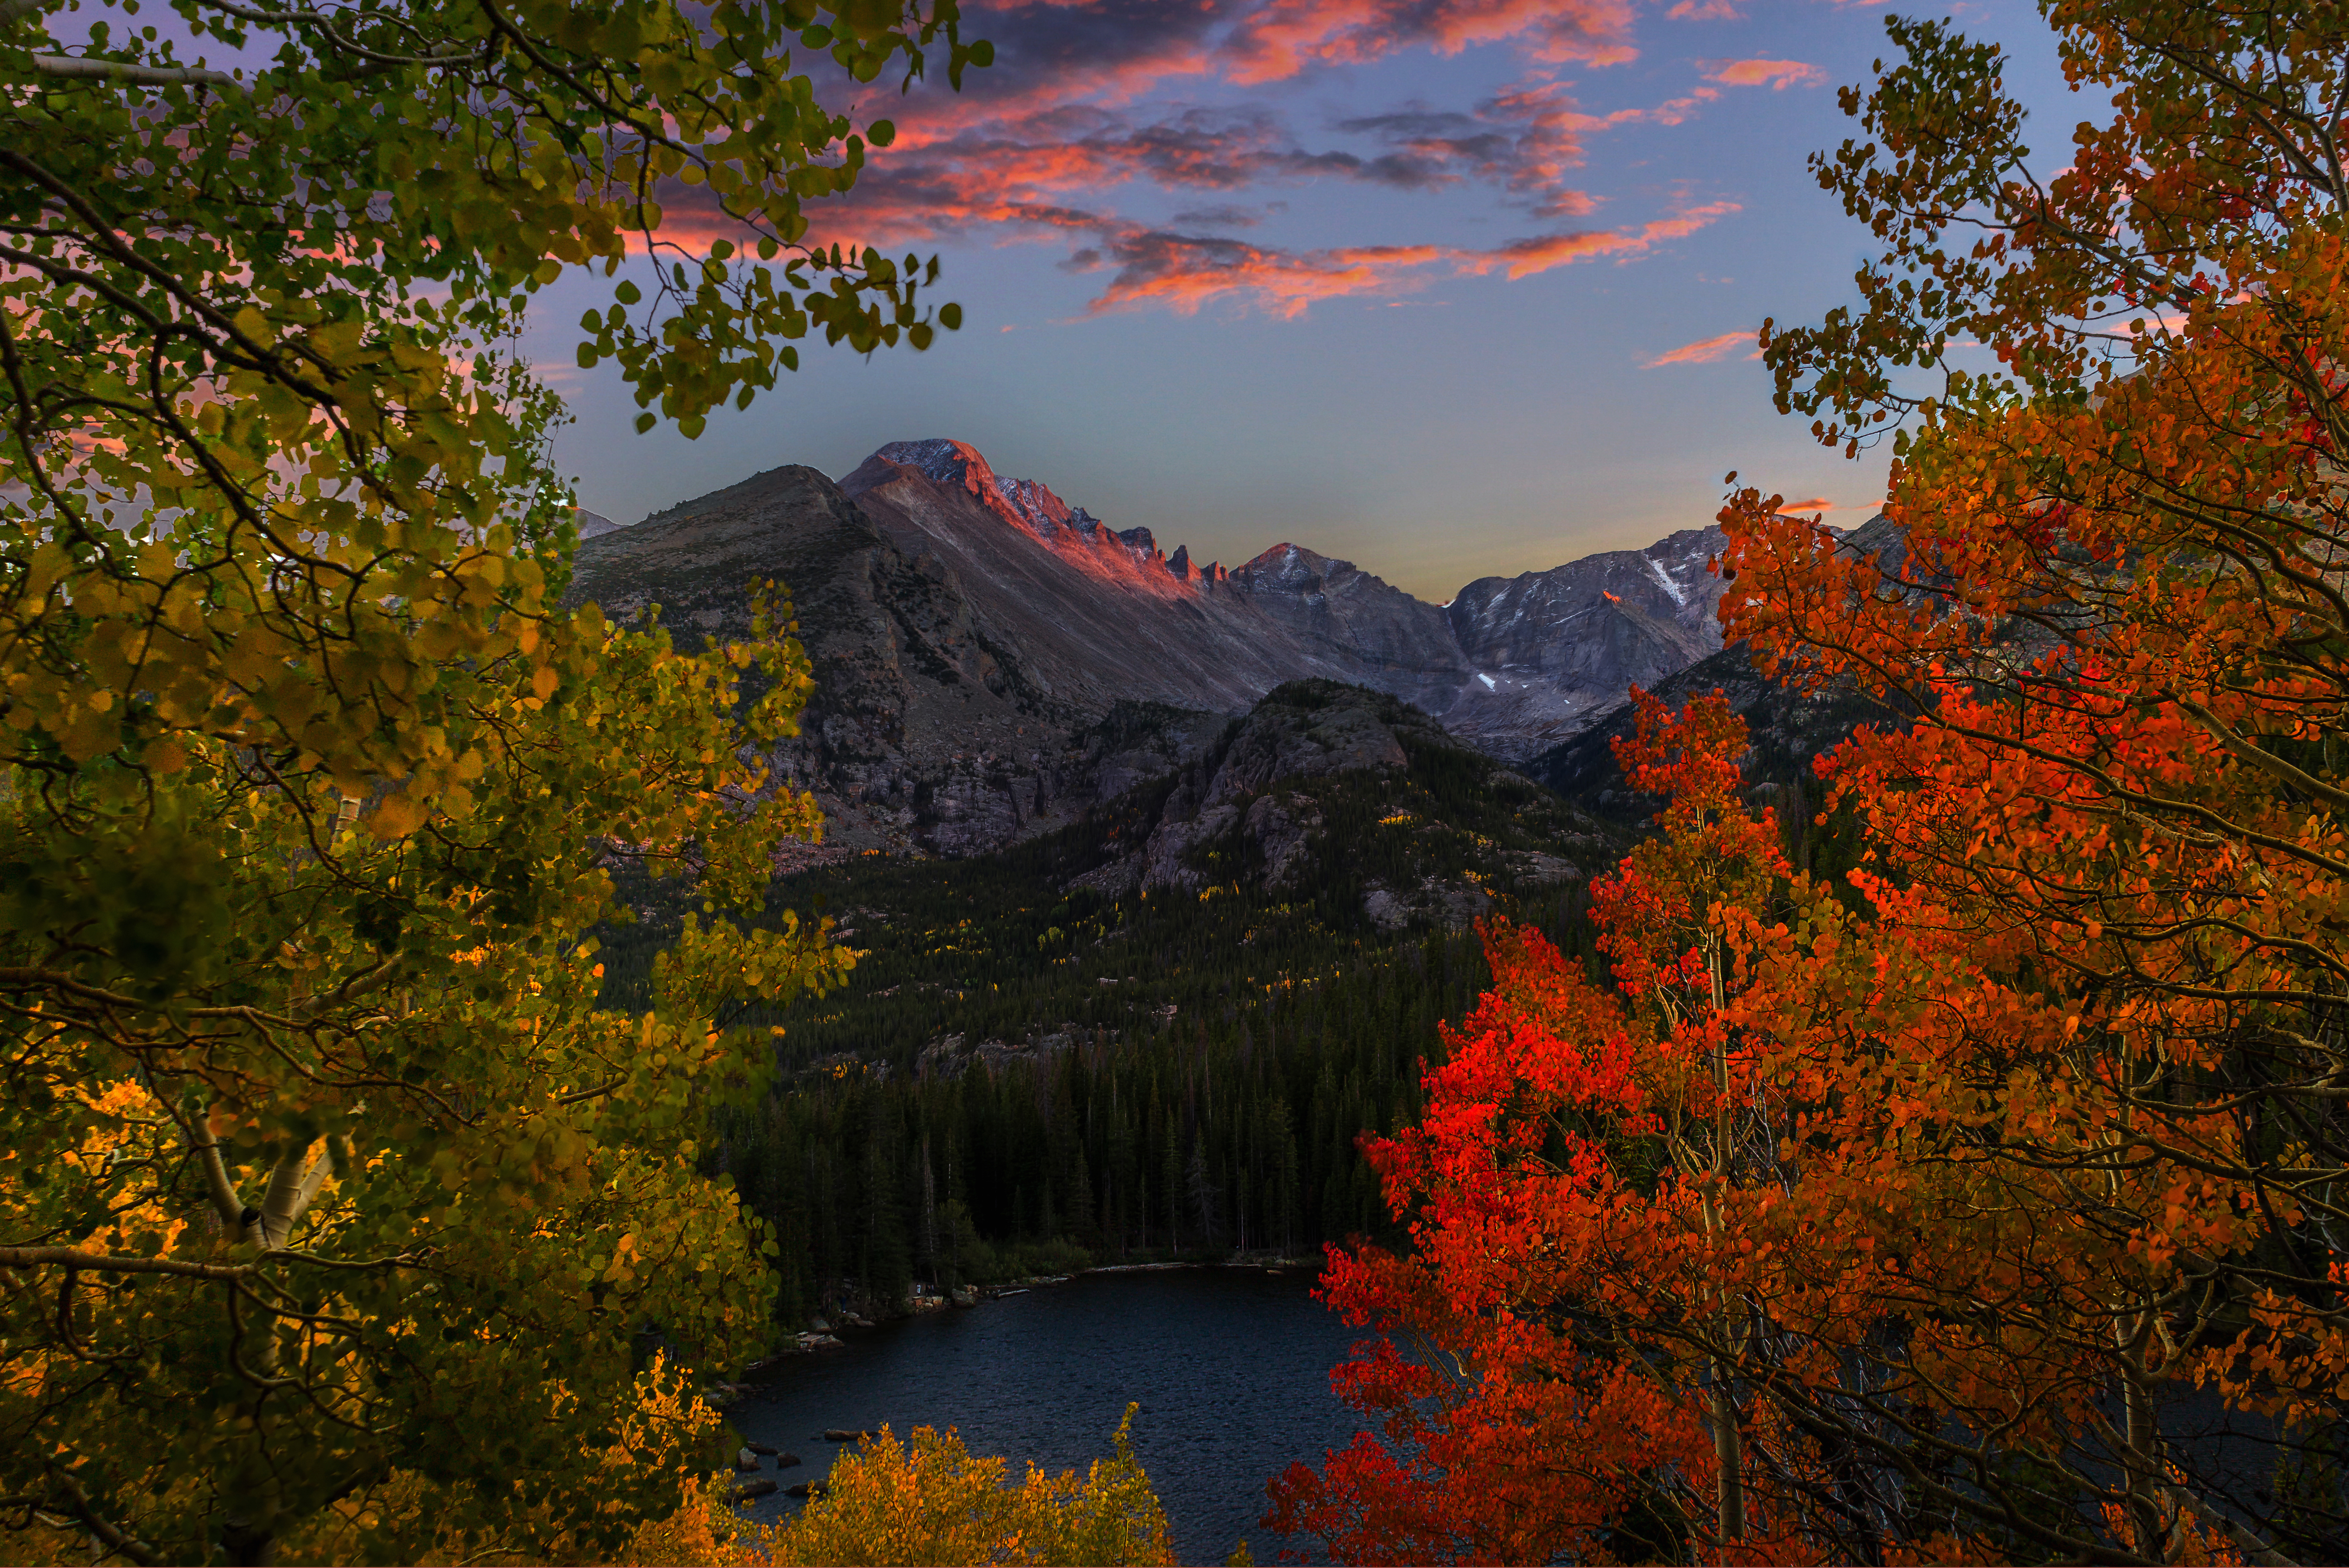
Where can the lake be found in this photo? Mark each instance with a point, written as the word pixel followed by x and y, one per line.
pixel 1231 1366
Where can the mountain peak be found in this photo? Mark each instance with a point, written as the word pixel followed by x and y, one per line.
pixel 1288 564
pixel 943 462
pixel 957 465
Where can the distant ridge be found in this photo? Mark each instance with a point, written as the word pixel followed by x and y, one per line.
pixel 1512 666
pixel 991 660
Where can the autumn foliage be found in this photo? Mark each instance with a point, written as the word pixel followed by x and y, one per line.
pixel 1598 1196
pixel 1989 1206
pixel 929 1500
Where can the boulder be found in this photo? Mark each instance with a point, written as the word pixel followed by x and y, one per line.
pixel 841 1435
pixel 804 1489
pixel 786 1460
pixel 760 1447
pixel 744 1459
pixel 747 1490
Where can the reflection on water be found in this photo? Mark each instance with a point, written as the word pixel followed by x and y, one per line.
pixel 1231 1366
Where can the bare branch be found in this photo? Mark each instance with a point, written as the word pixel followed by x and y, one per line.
pixel 114 1263
pixel 117 1540
pixel 281 1203
pixel 313 1180
pixel 72 66
pixel 227 1202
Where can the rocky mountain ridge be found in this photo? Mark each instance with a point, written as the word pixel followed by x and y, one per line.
pixel 991 660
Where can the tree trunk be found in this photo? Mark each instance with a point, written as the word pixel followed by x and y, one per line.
pixel 1726 1443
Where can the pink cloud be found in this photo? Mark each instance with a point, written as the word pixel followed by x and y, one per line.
pixel 1704 11
pixel 1706 350
pixel 1284 37
pixel 1185 272
pixel 1524 258
pixel 1819 504
pixel 1775 74
pixel 1047 143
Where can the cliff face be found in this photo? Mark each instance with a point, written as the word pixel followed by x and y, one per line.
pixel 1349 625
pixel 1788 728
pixel 990 660
pixel 1553 650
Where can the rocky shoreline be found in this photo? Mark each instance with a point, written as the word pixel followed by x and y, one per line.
pixel 823 1332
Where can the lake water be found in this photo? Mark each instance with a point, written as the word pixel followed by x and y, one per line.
pixel 1231 1367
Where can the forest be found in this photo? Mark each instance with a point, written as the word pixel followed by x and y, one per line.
pixel 1944 1162
pixel 1022 1074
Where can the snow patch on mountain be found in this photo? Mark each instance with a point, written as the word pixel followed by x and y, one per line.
pixel 1680 594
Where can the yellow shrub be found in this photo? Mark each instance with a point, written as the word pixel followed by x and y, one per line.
pixel 931 1501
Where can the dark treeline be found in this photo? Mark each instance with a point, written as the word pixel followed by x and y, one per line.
pixel 1203 1139
pixel 1030 1070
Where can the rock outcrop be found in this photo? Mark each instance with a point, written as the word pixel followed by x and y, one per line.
pixel 1252 810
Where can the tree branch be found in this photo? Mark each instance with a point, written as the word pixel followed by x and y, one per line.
pixel 314 1179
pixel 113 1263
pixel 227 1202
pixel 73 66
pixel 281 1202
pixel 115 1540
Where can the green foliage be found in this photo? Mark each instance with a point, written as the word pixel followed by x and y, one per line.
pixel 326 1185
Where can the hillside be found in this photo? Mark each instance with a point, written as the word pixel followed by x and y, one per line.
pixel 1235 966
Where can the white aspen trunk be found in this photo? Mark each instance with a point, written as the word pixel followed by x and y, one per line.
pixel 2143 1459
pixel 1728 1446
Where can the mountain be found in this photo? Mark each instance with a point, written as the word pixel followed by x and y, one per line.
pixel 993 661
pixel 1100 614
pixel 592 524
pixel 1326 819
pixel 1555 649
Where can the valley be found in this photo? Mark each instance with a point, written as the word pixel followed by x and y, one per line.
pixel 1162 878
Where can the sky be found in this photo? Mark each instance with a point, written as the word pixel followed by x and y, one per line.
pixel 1447 288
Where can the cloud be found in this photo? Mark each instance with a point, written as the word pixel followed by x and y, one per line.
pixel 1525 140
pixel 1227 215
pixel 1077 136
pixel 1524 258
pixel 1774 74
pixel 1115 52
pixel 1819 505
pixel 1284 38
pixel 1183 272
pixel 1523 143
pixel 1704 11
pixel 1706 350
